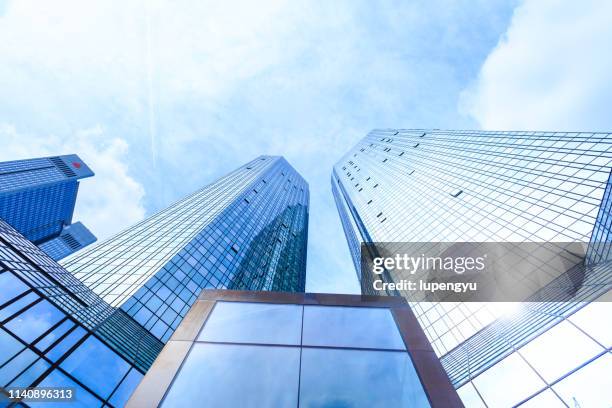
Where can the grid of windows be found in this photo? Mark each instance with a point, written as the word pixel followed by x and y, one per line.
pixel 37 196
pixel 450 186
pixel 56 332
pixel 72 238
pixel 291 355
pixel 247 230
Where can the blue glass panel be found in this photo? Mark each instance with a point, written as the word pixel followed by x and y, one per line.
pixel 16 366
pixel 220 375
pixel 351 327
pixel 82 398
pixel 10 287
pixel 240 322
pixel 63 346
pixel 359 378
pixel 127 386
pixel 35 321
pixel 9 346
pixel 54 335
pixel 96 366
pixel 31 374
pixel 18 305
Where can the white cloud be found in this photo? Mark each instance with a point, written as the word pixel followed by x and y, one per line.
pixel 107 202
pixel 551 71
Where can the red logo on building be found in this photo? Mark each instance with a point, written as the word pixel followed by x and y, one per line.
pixel 76 165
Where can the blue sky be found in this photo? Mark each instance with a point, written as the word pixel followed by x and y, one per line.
pixel 162 97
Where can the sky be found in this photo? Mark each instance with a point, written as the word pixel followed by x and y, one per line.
pixel 162 97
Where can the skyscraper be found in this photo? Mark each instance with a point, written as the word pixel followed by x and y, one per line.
pixel 247 230
pixel 37 196
pixel 72 238
pixel 55 332
pixel 477 186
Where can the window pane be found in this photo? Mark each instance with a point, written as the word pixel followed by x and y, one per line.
pixel 220 375
pixel 35 321
pixel 559 350
pixel 10 287
pixel 240 322
pixel 591 386
pixel 359 378
pixel 82 398
pixel 123 393
pixel 96 366
pixel 546 399
pixel 511 371
pixel 351 327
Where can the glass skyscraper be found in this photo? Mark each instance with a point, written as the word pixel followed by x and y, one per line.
pixel 55 332
pixel 247 230
pixel 72 238
pixel 37 197
pixel 478 186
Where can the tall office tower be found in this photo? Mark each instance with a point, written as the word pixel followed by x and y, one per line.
pixel 247 230
pixel 72 238
pixel 478 186
pixel 37 196
pixel 55 332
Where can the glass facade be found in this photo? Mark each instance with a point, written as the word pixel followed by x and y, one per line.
pixel 293 355
pixel 37 196
pixel 72 238
pixel 247 230
pixel 478 186
pixel 55 332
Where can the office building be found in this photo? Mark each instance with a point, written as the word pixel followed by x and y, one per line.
pixel 247 230
pixel 479 186
pixel 55 332
pixel 72 238
pixel 37 198
pixel 269 349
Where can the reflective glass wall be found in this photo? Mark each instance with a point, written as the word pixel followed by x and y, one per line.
pixel 250 349
pixel 247 230
pixel 453 186
pixel 55 332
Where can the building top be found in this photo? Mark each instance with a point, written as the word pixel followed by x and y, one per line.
pixel 20 174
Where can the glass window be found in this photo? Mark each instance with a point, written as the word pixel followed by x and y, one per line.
pixel 96 366
pixel 515 373
pixel 546 399
pixel 240 322
pixel 559 350
pixel 128 385
pixel 351 327
pixel 221 375
pixel 591 386
pixel 16 366
pixel 10 287
pixel 35 321
pixel 359 378
pixel 31 374
pixel 469 396
pixel 82 398
pixel 63 346
pixel 589 319
pixel 9 346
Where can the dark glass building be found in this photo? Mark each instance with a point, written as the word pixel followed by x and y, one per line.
pixel 247 230
pixel 37 197
pixel 55 332
pixel 424 185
